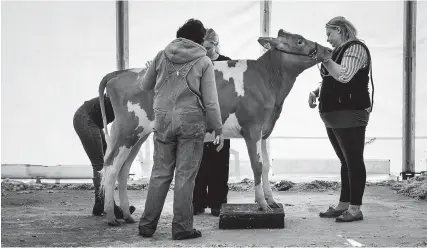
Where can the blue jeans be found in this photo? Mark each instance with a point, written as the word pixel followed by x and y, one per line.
pixel 178 147
pixel 92 138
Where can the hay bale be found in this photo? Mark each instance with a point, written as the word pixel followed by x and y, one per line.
pixel 415 187
pixel 283 185
pixel 317 186
pixel 135 186
pixel 244 185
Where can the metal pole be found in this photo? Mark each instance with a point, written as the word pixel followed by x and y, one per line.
pixel 265 32
pixel 408 114
pixel 122 34
pixel 265 20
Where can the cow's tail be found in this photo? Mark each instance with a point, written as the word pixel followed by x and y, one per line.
pixel 102 87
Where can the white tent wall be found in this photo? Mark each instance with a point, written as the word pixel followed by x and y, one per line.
pixel 152 25
pixel 54 55
pixel 380 25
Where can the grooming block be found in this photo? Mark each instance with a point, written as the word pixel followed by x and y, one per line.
pixel 247 216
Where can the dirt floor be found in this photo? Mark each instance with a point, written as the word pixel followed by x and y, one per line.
pixel 62 217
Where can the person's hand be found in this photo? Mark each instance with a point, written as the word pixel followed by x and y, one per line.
pixel 327 56
pixel 148 63
pixel 312 100
pixel 219 139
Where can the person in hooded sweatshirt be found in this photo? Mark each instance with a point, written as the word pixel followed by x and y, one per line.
pixel 185 106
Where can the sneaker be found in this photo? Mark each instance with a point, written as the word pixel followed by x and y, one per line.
pixel 348 217
pixel 331 213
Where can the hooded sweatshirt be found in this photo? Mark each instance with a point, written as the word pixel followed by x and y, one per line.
pixel 200 79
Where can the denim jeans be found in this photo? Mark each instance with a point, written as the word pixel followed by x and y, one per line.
pixel 92 138
pixel 178 147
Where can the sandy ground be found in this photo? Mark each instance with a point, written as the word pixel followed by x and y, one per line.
pixel 62 217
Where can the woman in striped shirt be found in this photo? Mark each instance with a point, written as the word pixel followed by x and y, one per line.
pixel 344 106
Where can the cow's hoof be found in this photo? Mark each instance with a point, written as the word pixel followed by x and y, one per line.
pixel 129 220
pixel 114 223
pixel 264 207
pixel 274 205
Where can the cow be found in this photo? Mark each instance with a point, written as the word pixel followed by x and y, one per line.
pixel 250 93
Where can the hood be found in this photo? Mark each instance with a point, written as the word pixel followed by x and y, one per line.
pixel 182 50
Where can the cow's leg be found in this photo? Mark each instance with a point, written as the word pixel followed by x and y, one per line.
pixel 109 174
pixel 123 179
pixel 111 170
pixel 268 193
pixel 253 143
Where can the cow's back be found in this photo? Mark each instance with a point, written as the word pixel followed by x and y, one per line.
pixel 242 93
pixel 132 106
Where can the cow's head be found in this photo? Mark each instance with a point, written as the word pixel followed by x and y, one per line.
pixel 294 50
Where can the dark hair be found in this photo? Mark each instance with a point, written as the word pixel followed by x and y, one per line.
pixel 193 30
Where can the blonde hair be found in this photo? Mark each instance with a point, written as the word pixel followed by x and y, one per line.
pixel 212 37
pixel 347 29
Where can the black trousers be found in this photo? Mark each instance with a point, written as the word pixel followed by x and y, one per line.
pixel 92 138
pixel 349 144
pixel 211 188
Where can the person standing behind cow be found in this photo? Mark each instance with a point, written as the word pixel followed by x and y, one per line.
pixel 344 107
pixel 211 187
pixel 185 104
pixel 88 125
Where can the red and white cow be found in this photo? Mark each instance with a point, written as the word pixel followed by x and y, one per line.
pixel 251 94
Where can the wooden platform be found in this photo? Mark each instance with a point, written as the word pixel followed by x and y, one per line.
pixel 247 216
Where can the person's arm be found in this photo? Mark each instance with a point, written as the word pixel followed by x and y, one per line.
pixel 148 81
pixel 354 58
pixel 210 99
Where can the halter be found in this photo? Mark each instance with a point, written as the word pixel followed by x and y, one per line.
pixel 312 54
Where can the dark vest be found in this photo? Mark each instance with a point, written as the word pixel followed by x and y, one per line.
pixel 354 95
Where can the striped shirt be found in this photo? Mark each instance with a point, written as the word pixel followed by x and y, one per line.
pixel 354 58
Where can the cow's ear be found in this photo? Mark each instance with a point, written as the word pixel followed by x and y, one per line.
pixel 267 42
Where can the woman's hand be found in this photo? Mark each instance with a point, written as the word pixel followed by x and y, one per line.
pixel 312 98
pixel 219 139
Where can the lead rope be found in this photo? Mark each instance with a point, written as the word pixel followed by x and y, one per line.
pixel 372 83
